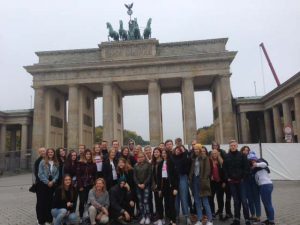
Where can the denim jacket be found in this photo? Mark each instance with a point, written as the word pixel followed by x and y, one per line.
pixel 44 173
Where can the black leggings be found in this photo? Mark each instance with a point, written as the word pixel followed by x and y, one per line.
pixel 169 200
pixel 44 196
pixel 83 197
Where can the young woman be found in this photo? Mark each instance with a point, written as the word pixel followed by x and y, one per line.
pixel 65 197
pixel 86 172
pixel 200 182
pixel 217 183
pixel 167 185
pixel 71 166
pixel 109 169
pixel 182 165
pixel 261 172
pixel 252 191
pixel 142 177
pixel 125 153
pixel 61 156
pixel 98 159
pixel 156 159
pixel 48 175
pixel 38 183
pixel 125 170
pixel 99 202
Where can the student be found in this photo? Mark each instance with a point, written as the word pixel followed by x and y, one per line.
pixel 199 177
pixel 142 177
pixel 252 191
pixel 48 176
pixel 71 166
pixel 86 174
pixel 226 190
pixel 120 203
pixel 81 149
pixel 39 194
pixel 110 169
pixel 217 183
pixel 182 165
pixel 125 153
pixel 61 156
pixel 261 171
pixel 65 197
pixel 98 159
pixel 167 185
pixel 156 159
pixel 236 168
pixel 98 202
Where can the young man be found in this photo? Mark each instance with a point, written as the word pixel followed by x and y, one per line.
pixel 236 168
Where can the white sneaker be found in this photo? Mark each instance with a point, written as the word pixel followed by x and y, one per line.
pixel 198 223
pixel 147 221
pixel 156 222
pixel 209 223
pixel 142 221
pixel 159 222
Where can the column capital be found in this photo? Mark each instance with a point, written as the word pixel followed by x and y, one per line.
pixel 188 78
pixel 73 85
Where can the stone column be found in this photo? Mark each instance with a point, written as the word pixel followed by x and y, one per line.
pixel 38 132
pixel 155 113
pixel 3 139
pixel 13 140
pixel 277 125
pixel 287 116
pixel 188 108
pixel 24 146
pixel 73 118
pixel 297 115
pixel 225 104
pixel 244 127
pixel 268 126
pixel 108 125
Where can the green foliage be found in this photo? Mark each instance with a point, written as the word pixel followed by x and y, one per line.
pixel 205 135
pixel 127 134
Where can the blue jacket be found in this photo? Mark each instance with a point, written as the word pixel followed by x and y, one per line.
pixel 44 173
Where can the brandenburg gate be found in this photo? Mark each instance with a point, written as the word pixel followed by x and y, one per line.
pixel 67 82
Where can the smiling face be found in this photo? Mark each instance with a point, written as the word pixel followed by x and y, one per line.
pixel 141 158
pixel 97 148
pixel 125 152
pixel 88 156
pixel 233 146
pixel 121 164
pixel 156 153
pixel 164 154
pixel 73 156
pixel 50 154
pixel 99 185
pixel 62 152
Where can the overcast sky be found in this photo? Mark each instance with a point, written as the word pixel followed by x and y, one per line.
pixel 35 25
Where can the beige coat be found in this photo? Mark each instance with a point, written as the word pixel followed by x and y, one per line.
pixel 205 172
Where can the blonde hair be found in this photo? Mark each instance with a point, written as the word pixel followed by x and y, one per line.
pixel 219 158
pixel 198 146
pixel 103 181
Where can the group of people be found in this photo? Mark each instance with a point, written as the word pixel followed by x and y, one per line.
pixel 120 185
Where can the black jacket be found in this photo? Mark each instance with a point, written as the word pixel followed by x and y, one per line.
pixel 59 203
pixel 119 200
pixel 172 176
pixel 107 173
pixel 182 163
pixel 36 168
pixel 236 166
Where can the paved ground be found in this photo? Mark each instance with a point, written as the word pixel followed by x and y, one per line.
pixel 17 205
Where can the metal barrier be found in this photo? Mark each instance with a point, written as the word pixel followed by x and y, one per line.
pixel 15 161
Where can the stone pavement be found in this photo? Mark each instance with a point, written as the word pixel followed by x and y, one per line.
pixel 17 204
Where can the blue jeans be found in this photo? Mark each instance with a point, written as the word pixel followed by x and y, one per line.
pixel 60 216
pixel 143 197
pixel 182 197
pixel 238 193
pixel 196 184
pixel 266 197
pixel 252 195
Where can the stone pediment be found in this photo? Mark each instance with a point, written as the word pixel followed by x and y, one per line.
pixel 128 49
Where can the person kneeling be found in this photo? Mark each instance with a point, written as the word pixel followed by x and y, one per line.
pixel 99 202
pixel 120 202
pixel 65 197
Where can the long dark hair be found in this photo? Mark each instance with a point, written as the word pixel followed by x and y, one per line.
pixel 57 153
pixel 68 162
pixel 63 191
pixel 154 160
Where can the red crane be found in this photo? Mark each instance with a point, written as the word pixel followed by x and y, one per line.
pixel 270 64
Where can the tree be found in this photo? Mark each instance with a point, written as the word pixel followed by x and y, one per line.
pixel 205 135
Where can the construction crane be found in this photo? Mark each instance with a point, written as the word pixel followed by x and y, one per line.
pixel 270 64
